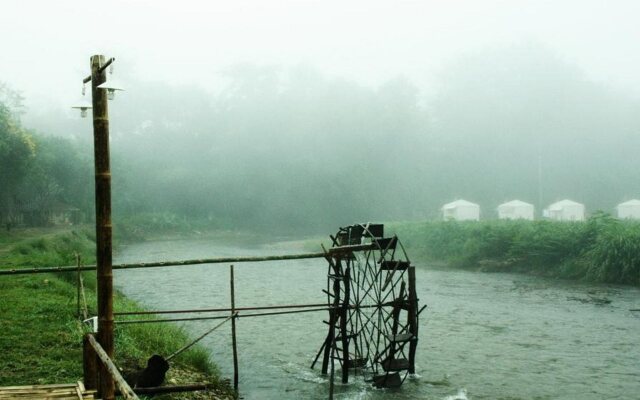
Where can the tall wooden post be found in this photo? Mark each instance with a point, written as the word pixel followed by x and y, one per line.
pixel 233 331
pixel 413 319
pixel 89 364
pixel 103 219
pixel 333 316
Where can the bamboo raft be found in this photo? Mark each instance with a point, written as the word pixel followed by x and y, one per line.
pixel 63 391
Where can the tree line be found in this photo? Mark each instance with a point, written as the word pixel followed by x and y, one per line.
pixel 282 149
pixel 42 177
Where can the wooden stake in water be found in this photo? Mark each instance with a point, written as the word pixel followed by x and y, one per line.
pixel 413 319
pixel 233 331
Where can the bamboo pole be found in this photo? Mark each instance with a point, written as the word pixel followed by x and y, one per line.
pixel 103 220
pixel 199 338
pixel 233 331
pixel 81 294
pixel 112 370
pixel 157 264
pixel 207 310
pixel 85 309
pixel 78 285
pixel 149 321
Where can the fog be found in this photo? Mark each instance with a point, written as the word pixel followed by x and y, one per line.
pixel 307 115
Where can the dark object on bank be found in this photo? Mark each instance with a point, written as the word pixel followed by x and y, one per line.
pixel 157 366
pixel 152 376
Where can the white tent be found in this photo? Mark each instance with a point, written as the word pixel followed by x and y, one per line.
pixel 565 210
pixel 629 209
pixel 461 210
pixel 515 209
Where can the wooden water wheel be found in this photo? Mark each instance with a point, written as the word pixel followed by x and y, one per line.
pixel 373 307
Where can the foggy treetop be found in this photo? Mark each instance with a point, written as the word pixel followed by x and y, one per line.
pixel 390 121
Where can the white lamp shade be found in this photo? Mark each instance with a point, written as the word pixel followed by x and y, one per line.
pixel 110 85
pixel 83 105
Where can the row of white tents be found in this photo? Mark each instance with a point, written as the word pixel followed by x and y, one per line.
pixel 564 210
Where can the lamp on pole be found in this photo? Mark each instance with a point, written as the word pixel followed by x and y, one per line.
pixel 99 95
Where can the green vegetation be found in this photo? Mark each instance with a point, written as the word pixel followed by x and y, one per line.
pixel 50 247
pixel 42 177
pixel 151 225
pixel 41 336
pixel 602 249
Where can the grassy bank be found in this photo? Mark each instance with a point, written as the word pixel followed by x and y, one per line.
pixel 41 337
pixel 167 226
pixel 601 249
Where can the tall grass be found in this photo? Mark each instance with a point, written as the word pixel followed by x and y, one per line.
pixel 57 249
pixel 601 249
pixel 41 338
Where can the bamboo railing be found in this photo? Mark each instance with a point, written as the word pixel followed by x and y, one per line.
pixel 219 260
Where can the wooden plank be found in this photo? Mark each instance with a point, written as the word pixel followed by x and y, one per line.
pixel 79 393
pixel 394 265
pixel 57 385
pixel 63 391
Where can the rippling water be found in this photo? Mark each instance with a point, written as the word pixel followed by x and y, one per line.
pixel 484 336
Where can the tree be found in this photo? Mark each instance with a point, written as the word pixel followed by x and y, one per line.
pixel 16 151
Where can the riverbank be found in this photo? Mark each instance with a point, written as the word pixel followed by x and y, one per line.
pixel 41 340
pixel 601 249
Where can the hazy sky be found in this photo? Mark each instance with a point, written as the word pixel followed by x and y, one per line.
pixel 45 45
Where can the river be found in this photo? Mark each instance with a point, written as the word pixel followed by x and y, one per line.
pixel 483 336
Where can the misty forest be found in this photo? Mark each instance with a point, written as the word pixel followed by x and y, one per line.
pixel 288 149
